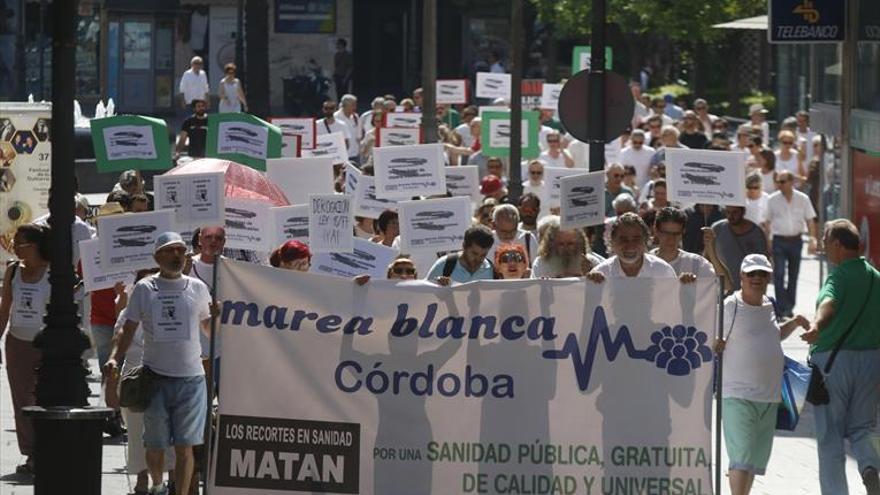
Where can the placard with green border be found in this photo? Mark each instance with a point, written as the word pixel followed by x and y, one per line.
pixel 243 138
pixel 585 50
pixel 126 142
pixel 494 143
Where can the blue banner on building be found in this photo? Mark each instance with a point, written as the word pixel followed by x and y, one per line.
pixel 807 21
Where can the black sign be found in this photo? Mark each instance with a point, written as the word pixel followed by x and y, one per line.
pixel 288 454
pixel 807 21
pixel 869 20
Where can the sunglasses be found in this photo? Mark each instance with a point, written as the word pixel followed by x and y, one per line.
pixel 399 270
pixel 511 257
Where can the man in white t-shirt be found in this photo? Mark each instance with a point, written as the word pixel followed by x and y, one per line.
pixel 348 115
pixel 194 84
pixel 638 154
pixel 173 310
pixel 505 218
pixel 212 240
pixel 788 211
pixel 329 124
pixel 629 243
pixel 669 226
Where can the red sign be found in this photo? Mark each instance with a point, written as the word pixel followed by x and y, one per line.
pixel 866 202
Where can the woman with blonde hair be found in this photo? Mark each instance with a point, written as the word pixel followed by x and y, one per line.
pixel 789 158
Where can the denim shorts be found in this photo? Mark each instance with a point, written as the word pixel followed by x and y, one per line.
pixel 176 414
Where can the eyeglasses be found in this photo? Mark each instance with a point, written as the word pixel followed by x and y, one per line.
pixel 403 270
pixel 511 257
pixel 758 273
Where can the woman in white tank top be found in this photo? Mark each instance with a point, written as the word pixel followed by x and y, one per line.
pixel 22 306
pixel 231 95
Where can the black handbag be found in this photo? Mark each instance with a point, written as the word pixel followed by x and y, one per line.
pixel 136 388
pixel 817 392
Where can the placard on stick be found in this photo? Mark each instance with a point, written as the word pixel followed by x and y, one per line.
pixel 434 224
pixel 707 177
pixel 582 200
pixel 330 223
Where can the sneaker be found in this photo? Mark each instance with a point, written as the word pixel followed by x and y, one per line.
pixel 159 490
pixel 871 480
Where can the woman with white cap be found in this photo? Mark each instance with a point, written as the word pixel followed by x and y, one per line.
pixel 752 372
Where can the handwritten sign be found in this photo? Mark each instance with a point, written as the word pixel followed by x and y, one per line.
pixel 330 146
pixel 406 171
pixel 367 258
pixel 197 199
pixel 289 223
pixel 707 177
pixel 582 200
pixel 452 91
pixel 247 224
pixel 493 85
pixel 127 240
pixel 434 224
pixel 330 223
pixel 299 177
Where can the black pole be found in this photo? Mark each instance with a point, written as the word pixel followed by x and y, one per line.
pixel 239 42
pixel 67 450
pixel 212 353
pixel 429 70
pixel 514 186
pixel 719 362
pixel 596 116
pixel 257 32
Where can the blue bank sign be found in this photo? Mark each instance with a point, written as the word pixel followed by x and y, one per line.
pixel 807 21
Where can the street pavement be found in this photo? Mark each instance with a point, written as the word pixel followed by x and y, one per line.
pixel 793 467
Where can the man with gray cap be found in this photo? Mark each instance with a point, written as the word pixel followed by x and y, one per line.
pixel 172 309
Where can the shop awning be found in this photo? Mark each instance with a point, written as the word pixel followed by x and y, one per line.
pixel 757 23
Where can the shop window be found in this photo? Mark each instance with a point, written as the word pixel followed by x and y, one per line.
pixel 868 76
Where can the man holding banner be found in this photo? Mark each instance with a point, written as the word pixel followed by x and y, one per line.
pixel 172 309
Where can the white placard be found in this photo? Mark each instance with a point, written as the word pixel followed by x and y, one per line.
pixel 291 146
pixel 196 198
pixel 491 108
pixel 244 138
pixel 551 183
pixel 499 133
pixel 123 142
pixel 451 92
pixel 406 171
pixel 330 223
pixel 247 224
pixel 289 223
pixel 434 224
pixel 403 119
pixel 706 177
pixel 330 146
pixel 298 126
pixel 94 277
pixel 127 240
pixel 367 258
pixel 299 177
pixel 550 95
pixel 582 200
pixel 493 85
pixel 366 204
pixel 463 180
pixel 352 175
pixel 398 136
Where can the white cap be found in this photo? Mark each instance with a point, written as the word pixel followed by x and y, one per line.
pixel 756 262
pixel 168 239
pixel 757 108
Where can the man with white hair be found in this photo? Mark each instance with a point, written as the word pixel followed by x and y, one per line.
pixel 562 252
pixel 347 114
pixel 629 242
pixel 194 84
pixel 365 121
pixel 638 155
pixel 505 219
pixel 668 139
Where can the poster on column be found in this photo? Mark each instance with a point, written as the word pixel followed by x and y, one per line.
pixel 367 258
pixel 330 146
pixel 543 386
pixel 582 199
pixel 464 180
pixel 406 171
pixel 434 224
pixel 247 224
pixel 299 177
pixel 366 204
pixel 127 240
pixel 707 177
pixel 330 223
pixel 289 223
pixel 452 91
pixel 196 198
pixel 93 277
pixel 493 85
pixel 25 167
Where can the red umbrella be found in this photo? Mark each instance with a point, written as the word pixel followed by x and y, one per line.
pixel 242 181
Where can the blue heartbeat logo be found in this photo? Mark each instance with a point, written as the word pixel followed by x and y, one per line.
pixel 678 350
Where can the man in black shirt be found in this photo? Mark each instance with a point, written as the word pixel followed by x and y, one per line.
pixel 195 127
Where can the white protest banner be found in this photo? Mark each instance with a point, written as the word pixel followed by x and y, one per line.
pixel 127 240
pixel 582 198
pixel 491 108
pixel 463 180
pixel 451 91
pixel 197 198
pixel 291 146
pixel 299 177
pixel 550 96
pixel 402 119
pixel 330 146
pixel 330 223
pixel 94 278
pixel 352 175
pixel 298 126
pixel 406 171
pixel 544 386
pixel 493 85
pixel 366 204
pixel 707 177
pixel 289 223
pixel 398 136
pixel 367 258
pixel 247 224
pixel 551 183
pixel 434 224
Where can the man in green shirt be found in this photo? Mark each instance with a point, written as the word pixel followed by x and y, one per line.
pixel 849 298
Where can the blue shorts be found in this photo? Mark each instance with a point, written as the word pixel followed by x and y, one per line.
pixel 176 414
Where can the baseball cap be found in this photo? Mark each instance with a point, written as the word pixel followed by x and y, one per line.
pixel 757 108
pixel 756 262
pixel 166 239
pixel 490 184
